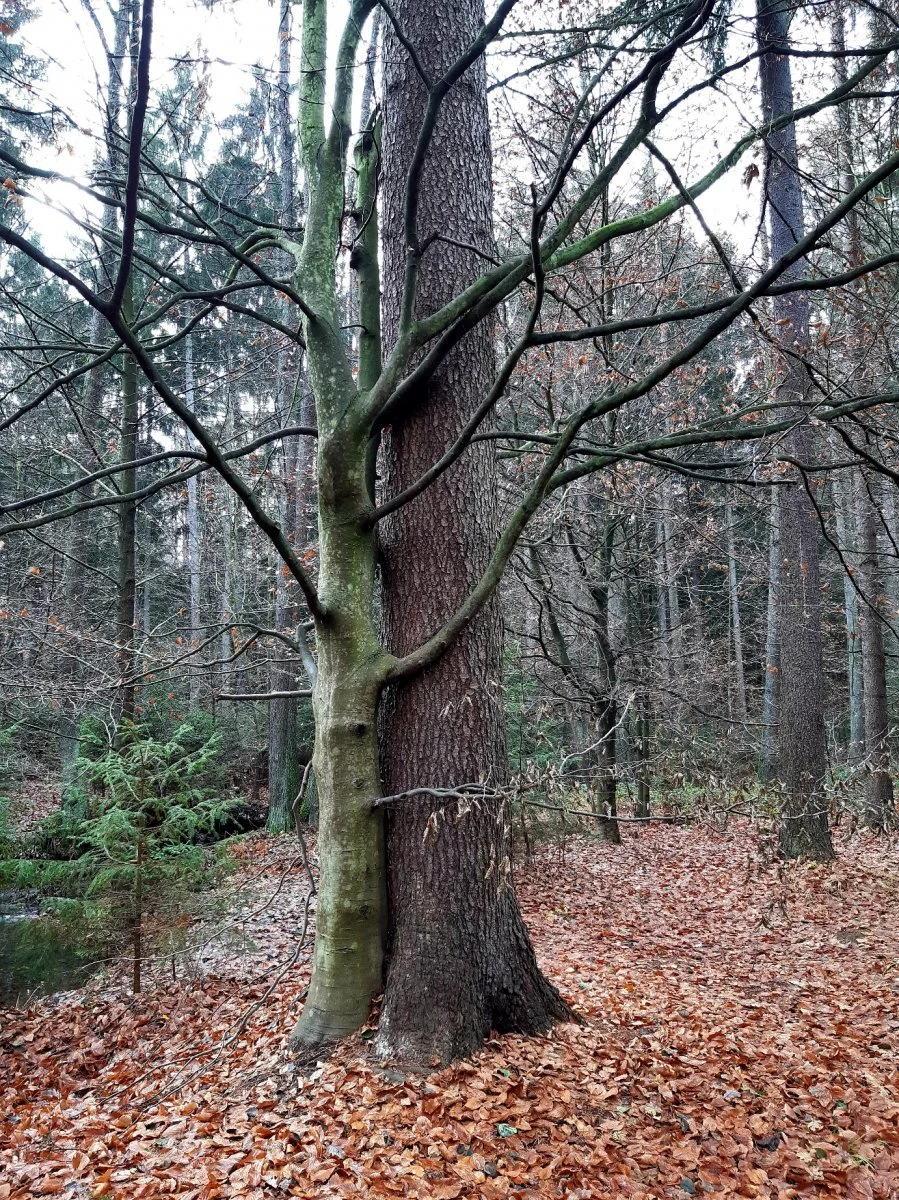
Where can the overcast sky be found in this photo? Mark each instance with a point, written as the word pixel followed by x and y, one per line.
pixel 236 35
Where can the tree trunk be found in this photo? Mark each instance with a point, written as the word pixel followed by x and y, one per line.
pixel 283 764
pixel 226 647
pixel 138 917
pixel 347 963
pixel 804 830
pixel 605 704
pixel 739 713
pixel 127 537
pixel 460 960
pixel 607 788
pixel 851 507
pixel 675 631
pixel 891 579
pixel 642 809
pixel 880 810
pixel 79 599
pixel 351 902
pixel 662 598
pixel 846 538
pixel 193 539
pixel 771 687
pixel 880 805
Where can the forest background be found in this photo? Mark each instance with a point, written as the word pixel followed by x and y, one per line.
pixel 423 421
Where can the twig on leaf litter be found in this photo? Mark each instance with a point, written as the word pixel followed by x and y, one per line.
pixel 230 1039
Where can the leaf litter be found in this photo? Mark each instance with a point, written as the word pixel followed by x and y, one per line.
pixel 742 1039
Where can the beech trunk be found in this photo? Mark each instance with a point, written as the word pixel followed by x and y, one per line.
pixel 804 829
pixel 880 803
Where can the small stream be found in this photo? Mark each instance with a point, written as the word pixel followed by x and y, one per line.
pixel 40 953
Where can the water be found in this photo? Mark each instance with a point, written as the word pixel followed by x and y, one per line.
pixel 40 954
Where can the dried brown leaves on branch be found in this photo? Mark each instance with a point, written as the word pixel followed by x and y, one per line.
pixel 742 1040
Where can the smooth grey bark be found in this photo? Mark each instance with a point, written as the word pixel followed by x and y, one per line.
pixel 675 629
pixel 804 829
pixel 639 626
pixel 126 551
pixel 283 764
pixel 605 699
pixel 642 807
pixel 662 613
pixel 890 540
pixel 192 548
pixel 356 218
pixel 771 687
pixel 227 541
pixel 845 508
pixel 95 382
pixel 460 961
pixel 739 706
pixel 849 508
pixel 225 601
pixel 880 803
pixel 880 808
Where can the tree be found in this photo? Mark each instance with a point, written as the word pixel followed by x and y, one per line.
pixel 801 759
pixel 555 233
pixel 460 959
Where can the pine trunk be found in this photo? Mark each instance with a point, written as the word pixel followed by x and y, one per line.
pixel 880 804
pixel 460 960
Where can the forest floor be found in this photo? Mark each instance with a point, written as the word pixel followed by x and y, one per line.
pixel 742 1039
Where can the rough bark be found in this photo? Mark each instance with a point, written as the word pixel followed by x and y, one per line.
pixel 460 961
pixel 804 830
